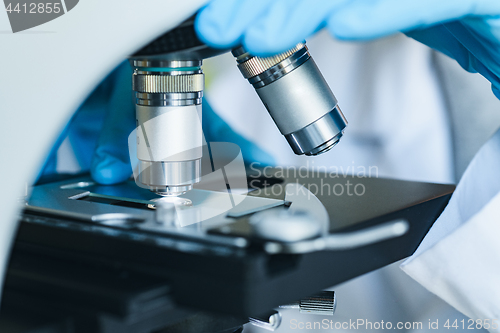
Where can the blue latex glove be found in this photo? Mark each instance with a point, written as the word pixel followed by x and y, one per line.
pixel 98 132
pixel 466 30
pixel 100 128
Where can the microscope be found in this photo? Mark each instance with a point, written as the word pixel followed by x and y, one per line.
pixel 106 259
pixel 168 82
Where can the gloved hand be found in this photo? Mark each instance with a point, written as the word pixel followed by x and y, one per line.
pixel 466 30
pixel 98 132
pixel 100 128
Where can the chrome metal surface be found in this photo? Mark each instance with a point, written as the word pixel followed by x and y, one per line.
pixel 323 303
pixel 343 241
pixel 169 134
pixel 168 72
pixel 77 185
pixel 165 63
pixel 320 136
pixel 185 95
pixel 281 69
pixel 251 66
pixel 210 217
pixel 177 201
pixel 269 322
pixel 155 83
pixel 118 219
pixel 170 191
pixel 170 99
pixel 297 97
pixel 208 210
pixel 239 52
pixel 170 156
pixel 178 88
pixel 159 175
pixel 325 147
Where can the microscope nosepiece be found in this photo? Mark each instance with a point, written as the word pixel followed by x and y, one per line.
pixel 169 132
pixel 297 97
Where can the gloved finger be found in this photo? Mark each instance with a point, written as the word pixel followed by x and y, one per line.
pixel 468 41
pixel 286 23
pixel 222 23
pixel 82 141
pixel 439 38
pixel 482 37
pixel 87 123
pixel 361 19
pixel 111 161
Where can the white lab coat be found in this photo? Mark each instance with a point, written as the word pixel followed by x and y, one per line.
pixel 399 109
pixel 460 256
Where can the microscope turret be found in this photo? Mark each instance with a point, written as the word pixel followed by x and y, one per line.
pixel 168 81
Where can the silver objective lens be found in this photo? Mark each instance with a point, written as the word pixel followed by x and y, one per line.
pixel 168 113
pixel 297 97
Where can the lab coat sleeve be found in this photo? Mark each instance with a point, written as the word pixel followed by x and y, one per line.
pixel 459 259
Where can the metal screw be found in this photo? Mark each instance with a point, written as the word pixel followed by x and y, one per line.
pixel 323 303
pixel 269 322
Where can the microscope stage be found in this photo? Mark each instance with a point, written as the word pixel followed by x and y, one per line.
pixel 216 261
